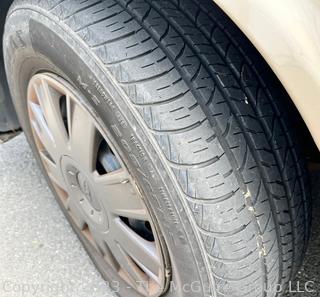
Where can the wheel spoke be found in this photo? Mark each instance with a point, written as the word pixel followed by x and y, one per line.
pixel 42 131
pixel 54 171
pixel 128 269
pixel 69 106
pixel 73 207
pixel 119 196
pixel 99 241
pixel 143 252
pixel 131 271
pixel 84 137
pixel 49 100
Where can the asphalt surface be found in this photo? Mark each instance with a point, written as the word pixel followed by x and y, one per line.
pixel 40 256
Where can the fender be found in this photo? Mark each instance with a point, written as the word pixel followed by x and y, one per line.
pixel 287 35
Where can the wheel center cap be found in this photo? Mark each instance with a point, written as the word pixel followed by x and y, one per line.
pixel 85 188
pixel 82 192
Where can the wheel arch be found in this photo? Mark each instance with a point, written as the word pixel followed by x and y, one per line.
pixel 289 41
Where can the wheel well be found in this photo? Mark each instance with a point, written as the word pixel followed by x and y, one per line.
pixel 4 7
pixel 302 132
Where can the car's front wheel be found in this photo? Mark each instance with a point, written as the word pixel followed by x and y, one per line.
pixel 165 142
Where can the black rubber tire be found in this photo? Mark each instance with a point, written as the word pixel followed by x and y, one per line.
pixel 212 117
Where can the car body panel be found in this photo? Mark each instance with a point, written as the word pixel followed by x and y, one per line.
pixel 287 34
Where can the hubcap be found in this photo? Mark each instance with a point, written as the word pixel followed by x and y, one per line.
pixel 94 185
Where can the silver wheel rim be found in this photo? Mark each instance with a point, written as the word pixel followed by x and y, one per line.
pixel 94 184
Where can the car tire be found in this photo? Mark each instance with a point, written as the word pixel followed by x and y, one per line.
pixel 204 125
